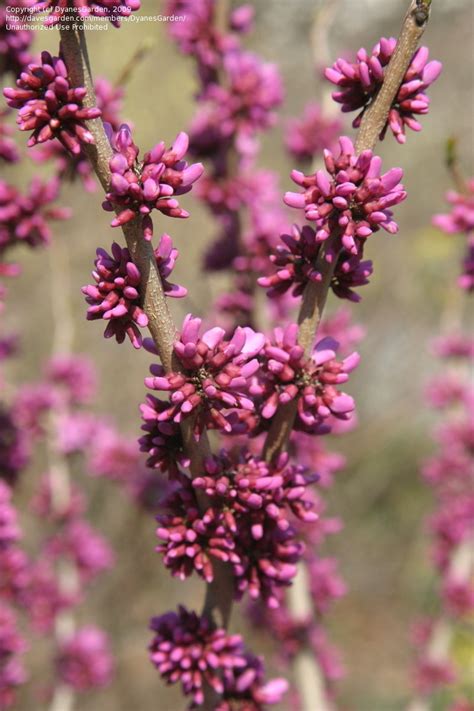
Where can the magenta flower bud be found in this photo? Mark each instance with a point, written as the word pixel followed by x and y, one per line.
pixel 190 175
pixel 306 137
pixel 180 146
pixel 84 660
pixel 294 200
pixel 15 42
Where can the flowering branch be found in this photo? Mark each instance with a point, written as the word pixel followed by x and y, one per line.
pixel 375 117
pixel 234 506
pixel 314 299
pixel 162 329
pixel 218 601
pixel 373 122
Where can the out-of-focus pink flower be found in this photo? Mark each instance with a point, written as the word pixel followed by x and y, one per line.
pixel 431 674
pixel 8 148
pixel 308 135
pixel 89 551
pixel 43 599
pixel 458 595
pixel 84 661
pixel 461 221
pixel 45 505
pixel 24 217
pixel 325 582
pixel 461 218
pixel 14 446
pixel 12 646
pixel 75 375
pixel 31 404
pixel 246 104
pixel 15 42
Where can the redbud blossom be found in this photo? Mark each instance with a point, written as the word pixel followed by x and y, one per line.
pixel 215 377
pixel 312 381
pixel 138 188
pixel 187 649
pixel 350 197
pixel 359 83
pixel 49 106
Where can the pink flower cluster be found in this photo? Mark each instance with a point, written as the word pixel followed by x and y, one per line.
pixel 288 375
pixel 295 261
pixel 8 150
pixel 248 523
pixel 307 136
pixel 33 587
pixel 461 221
pixel 136 189
pixel 199 36
pixel 348 201
pixel 187 650
pixel 49 106
pixel 84 660
pixel 214 379
pixel 72 166
pixel 350 196
pixel 450 474
pixel 116 297
pixel 359 83
pixel 15 43
pixel 245 104
pixel 13 578
pixel 24 217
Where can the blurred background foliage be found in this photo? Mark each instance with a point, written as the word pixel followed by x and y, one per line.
pixel 384 548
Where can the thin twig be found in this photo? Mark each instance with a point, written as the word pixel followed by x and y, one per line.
pixel 127 71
